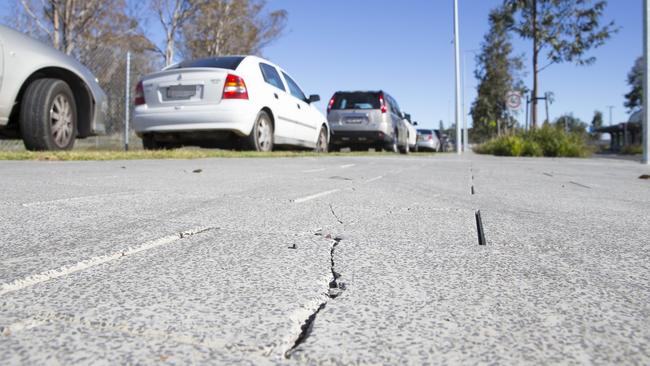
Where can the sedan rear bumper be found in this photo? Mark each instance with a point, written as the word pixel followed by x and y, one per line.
pixel 196 118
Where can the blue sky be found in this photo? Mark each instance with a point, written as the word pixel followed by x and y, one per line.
pixel 405 47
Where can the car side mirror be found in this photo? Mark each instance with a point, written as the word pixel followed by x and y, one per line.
pixel 415 123
pixel 314 98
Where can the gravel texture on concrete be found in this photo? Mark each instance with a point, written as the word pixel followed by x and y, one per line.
pixel 347 260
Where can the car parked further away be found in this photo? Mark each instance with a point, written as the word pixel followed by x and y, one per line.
pixel 220 100
pixel 412 131
pixel 366 119
pixel 427 140
pixel 46 97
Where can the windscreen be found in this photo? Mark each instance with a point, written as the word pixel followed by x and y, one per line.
pixel 424 132
pixel 356 101
pixel 229 62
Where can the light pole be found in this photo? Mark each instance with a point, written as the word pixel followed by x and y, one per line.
pixel 457 67
pixel 465 131
pixel 646 83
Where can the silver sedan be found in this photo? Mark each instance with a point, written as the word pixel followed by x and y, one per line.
pixel 46 97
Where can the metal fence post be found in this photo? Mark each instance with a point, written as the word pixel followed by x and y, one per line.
pixel 127 101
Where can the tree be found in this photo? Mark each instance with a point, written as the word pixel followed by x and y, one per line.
pixel 596 123
pixel 570 124
pixel 231 27
pixel 498 73
pixel 172 15
pixel 566 29
pixel 65 21
pixel 634 99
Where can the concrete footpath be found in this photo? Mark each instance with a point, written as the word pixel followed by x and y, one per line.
pixel 336 260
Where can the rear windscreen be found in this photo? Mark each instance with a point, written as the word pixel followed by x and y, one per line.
pixel 356 101
pixel 424 132
pixel 230 63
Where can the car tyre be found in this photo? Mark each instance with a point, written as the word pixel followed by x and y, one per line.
pixel 261 137
pixel 406 149
pixel 322 146
pixel 394 145
pixel 48 116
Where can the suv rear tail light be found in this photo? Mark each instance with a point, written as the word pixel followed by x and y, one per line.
pixel 139 94
pixel 330 105
pixel 234 88
pixel 382 103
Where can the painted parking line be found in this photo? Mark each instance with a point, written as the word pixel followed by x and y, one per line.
pixel 314 170
pixel 52 274
pixel 347 166
pixel 84 199
pixel 314 196
pixel 374 179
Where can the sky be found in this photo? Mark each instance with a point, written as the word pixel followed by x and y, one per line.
pixel 406 48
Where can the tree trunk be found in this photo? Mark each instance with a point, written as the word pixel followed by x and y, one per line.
pixel 535 65
pixel 56 25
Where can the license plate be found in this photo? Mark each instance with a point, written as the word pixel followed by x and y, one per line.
pixel 354 120
pixel 181 91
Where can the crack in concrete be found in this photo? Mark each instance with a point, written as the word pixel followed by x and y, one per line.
pixel 334 213
pixel 335 289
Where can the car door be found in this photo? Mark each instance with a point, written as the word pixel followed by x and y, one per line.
pixel 281 101
pixel 305 125
pixel 401 124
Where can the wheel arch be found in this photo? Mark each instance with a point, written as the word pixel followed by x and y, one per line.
pixel 84 100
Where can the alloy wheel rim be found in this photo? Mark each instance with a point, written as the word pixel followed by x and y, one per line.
pixel 322 142
pixel 61 120
pixel 264 134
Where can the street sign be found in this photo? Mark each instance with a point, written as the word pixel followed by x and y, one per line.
pixel 513 100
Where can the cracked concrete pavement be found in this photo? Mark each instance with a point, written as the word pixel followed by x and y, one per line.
pixel 334 260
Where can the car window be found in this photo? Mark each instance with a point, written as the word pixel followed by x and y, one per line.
pixel 356 100
pixel 293 88
pixel 271 76
pixel 229 62
pixel 424 132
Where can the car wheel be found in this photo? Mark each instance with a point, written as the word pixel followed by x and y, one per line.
pixel 322 145
pixel 406 149
pixel 48 116
pixel 261 137
pixel 394 145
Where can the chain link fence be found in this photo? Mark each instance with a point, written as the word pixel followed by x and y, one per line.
pixel 109 65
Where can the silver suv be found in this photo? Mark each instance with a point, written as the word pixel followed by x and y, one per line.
pixel 366 119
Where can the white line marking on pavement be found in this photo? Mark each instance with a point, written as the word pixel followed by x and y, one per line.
pixel 81 198
pixel 313 196
pixel 374 179
pixel 347 166
pixel 32 280
pixel 314 170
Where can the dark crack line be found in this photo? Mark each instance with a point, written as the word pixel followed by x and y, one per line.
pixel 479 228
pixel 305 330
pixel 335 289
pixel 579 185
pixel 334 213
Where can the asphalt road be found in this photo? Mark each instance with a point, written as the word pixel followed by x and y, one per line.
pixel 355 260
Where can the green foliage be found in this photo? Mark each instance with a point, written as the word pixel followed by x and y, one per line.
pixel 547 141
pixel 632 150
pixel 571 124
pixel 634 99
pixel 497 72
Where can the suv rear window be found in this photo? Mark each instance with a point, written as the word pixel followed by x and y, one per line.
pixel 229 62
pixel 424 132
pixel 356 101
